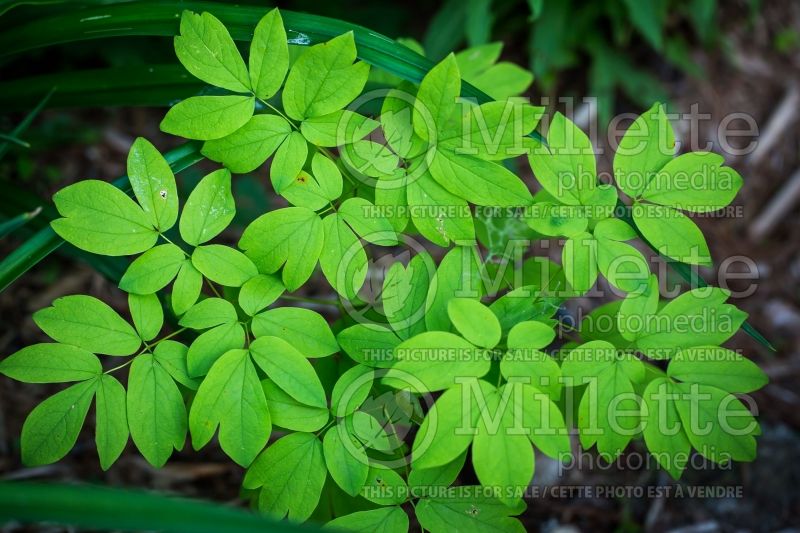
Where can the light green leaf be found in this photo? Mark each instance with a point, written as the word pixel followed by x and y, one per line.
pixel 646 147
pixel 153 183
pixel 250 146
pixel 467 509
pixel 209 313
pixel 436 109
pixel 111 425
pixel 383 520
pixel 147 314
pixel 474 321
pixel 51 363
pixel 566 167
pixel 553 219
pixel 458 275
pixel 86 322
pixel 636 306
pixel 171 355
pixel 324 79
pixel 187 287
pixel 533 366
pixel 288 369
pixel 101 219
pixel 695 182
pixel 153 270
pixel 397 121
pixel 384 486
pixel 623 265
pixel 424 481
pixel 208 117
pixel 259 292
pixel 206 49
pixel 157 414
pixel 51 429
pixel 367 221
pixel 369 431
pixel 209 346
pixel 346 459
pixel 231 397
pixel 503 80
pixel 209 209
pixel 292 237
pixel 368 158
pixel 288 413
pixel 350 390
pixel 718 367
pixel 404 295
pixel 542 418
pixel 439 215
pixel 291 474
pixel 288 162
pixel 662 431
pixel 579 259
pixel 369 344
pixel 269 56
pixel 479 182
pixel 343 259
pixel 337 129
pixel 223 264
pixel 304 329
pixel 530 334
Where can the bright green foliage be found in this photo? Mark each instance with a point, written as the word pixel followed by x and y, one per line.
pixel 212 346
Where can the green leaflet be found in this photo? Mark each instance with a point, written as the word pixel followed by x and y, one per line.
pixel 648 145
pixel 479 182
pixel 51 363
pixel 579 259
pixel 206 49
pixel 339 128
pixel 289 160
pixel 610 377
pixel 101 219
pixel 718 367
pixel 346 459
pixel 269 56
pixel 223 265
pixel 524 360
pixel 421 480
pixel 153 270
pixel 153 183
pixel 318 189
pixel 672 233
pixel 290 474
pixel 369 431
pixel 304 329
pixel 436 97
pixel 458 275
pixel 468 509
pixel 210 345
pixel 436 360
pixel 324 79
pixel 404 295
pixel 439 215
pixel 250 146
pixel 208 117
pixel 291 237
pixel 231 397
pixel 111 424
pixel 289 370
pixel 397 121
pixel 186 289
pixel 171 355
pixel 368 158
pixel 696 318
pixel 209 208
pixel 88 323
pixel 156 410
pixel 566 167
pixel 259 292
pixel 696 182
pixel 52 428
pixel 351 389
pixel 147 314
pixel 209 313
pixel 367 223
pixel 474 321
pixel 541 418
pixel 386 519
pixel 666 441
pixel 384 486
pixel 369 344
pixel 288 413
pixel 343 259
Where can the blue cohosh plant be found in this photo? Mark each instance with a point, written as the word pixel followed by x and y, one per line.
pixel 463 355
